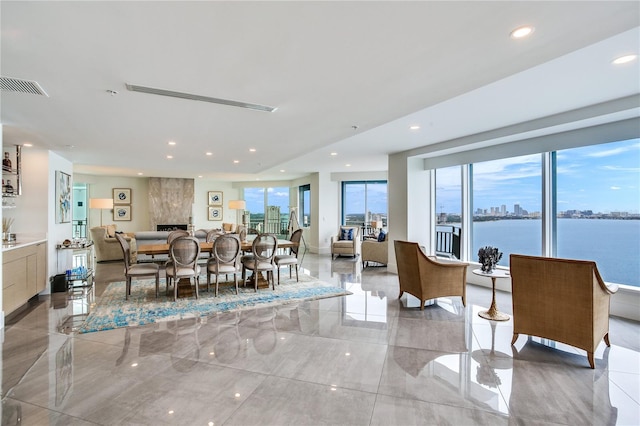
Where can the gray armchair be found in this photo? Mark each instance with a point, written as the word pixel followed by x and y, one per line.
pixel 375 251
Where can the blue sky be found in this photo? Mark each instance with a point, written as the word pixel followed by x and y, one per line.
pixel 602 178
pixel 276 197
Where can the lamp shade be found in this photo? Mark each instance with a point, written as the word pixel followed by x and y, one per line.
pixel 100 203
pixel 237 204
pixel 376 224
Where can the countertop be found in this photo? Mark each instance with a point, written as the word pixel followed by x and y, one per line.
pixel 23 241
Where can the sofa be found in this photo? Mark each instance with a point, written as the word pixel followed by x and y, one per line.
pixel 107 247
pixel 375 249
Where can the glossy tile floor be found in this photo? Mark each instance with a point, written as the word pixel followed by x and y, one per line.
pixel 363 359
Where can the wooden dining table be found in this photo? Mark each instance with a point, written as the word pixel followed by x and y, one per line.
pixel 158 249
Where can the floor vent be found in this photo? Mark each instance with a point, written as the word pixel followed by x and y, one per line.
pixel 10 84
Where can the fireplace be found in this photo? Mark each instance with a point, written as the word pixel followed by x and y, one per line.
pixel 171 227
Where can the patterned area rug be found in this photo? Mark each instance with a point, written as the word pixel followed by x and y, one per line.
pixel 113 311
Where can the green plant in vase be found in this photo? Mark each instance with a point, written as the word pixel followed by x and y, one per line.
pixel 489 257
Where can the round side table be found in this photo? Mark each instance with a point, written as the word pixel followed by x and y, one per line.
pixel 493 314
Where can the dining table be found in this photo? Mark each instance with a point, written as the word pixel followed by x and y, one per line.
pixel 159 249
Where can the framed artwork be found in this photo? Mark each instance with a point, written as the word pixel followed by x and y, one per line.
pixel 215 198
pixel 215 213
pixel 121 213
pixel 121 195
pixel 63 197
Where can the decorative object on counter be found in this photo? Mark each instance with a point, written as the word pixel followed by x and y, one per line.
pixel 488 257
pixel 6 229
pixel 102 204
pixel 66 243
pixel 6 163
pixel 121 195
pixel 63 197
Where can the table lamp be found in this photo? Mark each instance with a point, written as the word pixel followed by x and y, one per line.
pixel 102 204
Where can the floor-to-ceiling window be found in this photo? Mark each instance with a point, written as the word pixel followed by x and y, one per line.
pixel 598 201
pixel 592 198
pixel 448 211
pixel 363 202
pixel 268 209
pixel 507 205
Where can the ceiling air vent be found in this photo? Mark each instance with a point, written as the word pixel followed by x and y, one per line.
pixel 10 84
pixel 194 97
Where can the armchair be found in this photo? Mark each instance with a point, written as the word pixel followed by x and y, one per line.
pixel 560 299
pixel 346 242
pixel 375 251
pixel 107 247
pixel 426 278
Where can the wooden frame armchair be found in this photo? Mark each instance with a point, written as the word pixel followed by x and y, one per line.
pixel 560 299
pixel 427 278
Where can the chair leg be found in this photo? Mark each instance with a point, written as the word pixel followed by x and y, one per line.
pixel 278 276
pixel 217 278
pixel 197 280
pixel 209 281
pixel 235 276
pixel 515 337
pixel 297 273
pixel 606 339
pixel 592 363
pixel 175 290
pixel 157 285
pixel 255 280
pixel 289 273
pixel 127 288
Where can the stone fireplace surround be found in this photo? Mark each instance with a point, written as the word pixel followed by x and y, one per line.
pixel 170 202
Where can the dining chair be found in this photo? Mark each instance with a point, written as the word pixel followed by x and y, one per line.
pixel 290 259
pixel 263 251
pixel 183 263
pixel 176 234
pixel 136 270
pixel 225 259
pixel 213 234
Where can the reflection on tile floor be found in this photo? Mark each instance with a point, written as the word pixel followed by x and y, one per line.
pixel 367 358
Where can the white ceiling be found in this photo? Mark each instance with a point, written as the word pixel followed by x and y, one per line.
pixel 449 67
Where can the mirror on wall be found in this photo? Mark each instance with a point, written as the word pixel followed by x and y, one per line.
pixel 79 214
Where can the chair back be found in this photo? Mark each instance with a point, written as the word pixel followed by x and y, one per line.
pixel 295 238
pixel 226 249
pixel 184 252
pixel 176 234
pixel 126 251
pixel 264 247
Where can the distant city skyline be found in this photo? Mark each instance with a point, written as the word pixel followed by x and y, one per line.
pixel 602 178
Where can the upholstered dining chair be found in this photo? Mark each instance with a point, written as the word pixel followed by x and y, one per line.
pixel 263 252
pixel 213 234
pixel 290 259
pixel 183 263
pixel 136 270
pixel 427 278
pixel 225 256
pixel 176 234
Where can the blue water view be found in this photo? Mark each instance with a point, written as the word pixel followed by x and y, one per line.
pixel 613 244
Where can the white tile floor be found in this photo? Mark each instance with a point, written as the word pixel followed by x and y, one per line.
pixel 367 358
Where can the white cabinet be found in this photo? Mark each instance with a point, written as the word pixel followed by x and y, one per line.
pixel 23 275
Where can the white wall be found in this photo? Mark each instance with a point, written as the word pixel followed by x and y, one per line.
pixel 57 232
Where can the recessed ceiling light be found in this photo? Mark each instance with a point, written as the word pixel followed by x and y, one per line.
pixel 139 173
pixel 172 143
pixel 200 176
pixel 334 154
pixel 281 170
pixel 209 153
pixel 414 127
pixel 521 32
pixel 236 161
pixel 169 157
pixel 624 59
pixel 27 144
pixel 348 165
pixel 252 150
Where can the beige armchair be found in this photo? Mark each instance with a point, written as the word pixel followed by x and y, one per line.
pixel 375 251
pixel 345 246
pixel 107 247
pixel 427 278
pixel 560 299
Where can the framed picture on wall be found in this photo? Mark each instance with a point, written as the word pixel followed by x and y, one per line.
pixel 215 198
pixel 214 213
pixel 121 195
pixel 63 197
pixel 121 213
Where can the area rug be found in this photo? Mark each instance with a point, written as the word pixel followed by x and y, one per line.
pixel 114 311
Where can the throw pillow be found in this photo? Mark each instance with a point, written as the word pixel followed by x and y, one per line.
pixel 346 234
pixel 382 236
pixel 111 231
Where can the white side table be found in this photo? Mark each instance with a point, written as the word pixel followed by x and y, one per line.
pixel 493 313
